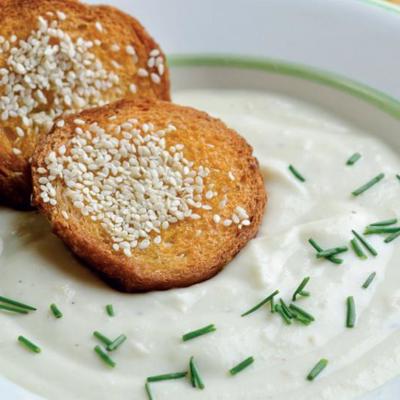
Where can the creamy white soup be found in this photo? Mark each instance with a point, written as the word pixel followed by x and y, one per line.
pixel 36 268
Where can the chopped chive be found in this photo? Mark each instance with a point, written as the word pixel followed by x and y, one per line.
pixel 299 291
pixel 272 303
pixel 391 237
pixel 166 377
pixel 333 259
pixel 302 312
pixel 148 391
pixel 261 303
pixel 369 280
pixel 105 357
pixel 357 249
pixel 9 307
pixel 285 309
pixel 368 185
pixel 376 230
pixel 16 303
pixel 279 310
pixel 199 332
pixel 241 366
pixel 296 173
pixel 365 243
pixel 351 312
pixel 29 345
pixel 353 159
pixel 110 310
pixel 104 339
pixel 304 293
pixel 321 364
pixel 116 343
pixel 300 318
pixel 331 252
pixel 195 377
pixel 385 222
pixel 398 176
pixel 55 310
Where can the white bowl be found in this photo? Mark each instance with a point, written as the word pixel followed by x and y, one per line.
pixel 357 40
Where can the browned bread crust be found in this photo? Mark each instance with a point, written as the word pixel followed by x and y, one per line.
pixel 20 18
pixel 191 251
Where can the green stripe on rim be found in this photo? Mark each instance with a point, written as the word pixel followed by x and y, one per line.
pixel 383 4
pixel 372 96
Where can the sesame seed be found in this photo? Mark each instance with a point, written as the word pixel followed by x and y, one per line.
pixel 61 16
pixel 60 123
pixel 231 176
pixel 79 121
pixel 65 214
pixel 246 222
pixel 227 222
pixel 115 48
pixel 16 151
pixel 216 218
pixel 154 53
pixel 19 132
pixel 133 88
pixel 155 78
pixel 130 50
pixel 209 195
pixel 99 26
pixel 142 73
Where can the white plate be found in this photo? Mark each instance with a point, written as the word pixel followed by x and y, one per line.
pixel 356 39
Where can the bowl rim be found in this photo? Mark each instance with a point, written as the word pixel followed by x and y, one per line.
pixel 377 98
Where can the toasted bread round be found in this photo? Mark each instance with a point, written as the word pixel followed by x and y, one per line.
pixel 60 56
pixel 151 195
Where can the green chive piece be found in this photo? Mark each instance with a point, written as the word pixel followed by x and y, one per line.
pixel 195 377
pixel 29 345
pixel 385 222
pixel 304 293
pixel 368 185
pixel 357 249
pixel 285 309
pixel 55 310
pixel 272 303
pixel 148 391
pixel 300 318
pixel 116 343
pixel 321 364
pixel 398 177
pixel 365 243
pixel 16 303
pixel 353 159
pixel 391 237
pixel 351 312
pixel 9 307
pixel 199 332
pixel 333 259
pixel 105 357
pixel 369 280
pixel 241 366
pixel 279 310
pixel 376 230
pixel 266 300
pixel 166 377
pixel 302 312
pixel 296 173
pixel 104 339
pixel 331 252
pixel 299 291
pixel 110 310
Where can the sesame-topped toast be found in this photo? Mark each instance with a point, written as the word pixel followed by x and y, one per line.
pixel 151 195
pixel 60 56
